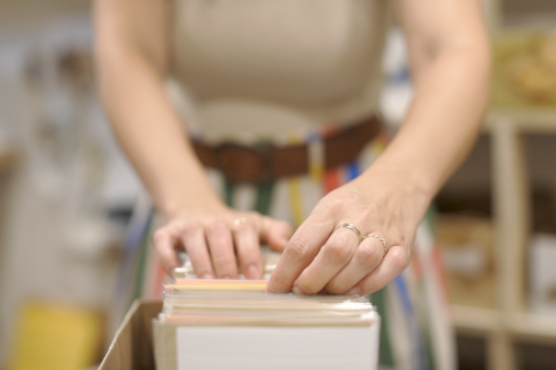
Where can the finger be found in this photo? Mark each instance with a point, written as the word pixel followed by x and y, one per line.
pixel 275 233
pixel 366 258
pixel 219 238
pixel 193 238
pixel 165 243
pixel 393 264
pixel 299 252
pixel 332 257
pixel 248 250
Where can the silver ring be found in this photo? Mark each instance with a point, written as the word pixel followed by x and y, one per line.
pixel 352 228
pixel 377 237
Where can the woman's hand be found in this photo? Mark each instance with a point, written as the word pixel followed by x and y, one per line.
pixel 132 42
pixel 209 237
pixel 390 198
pixel 321 256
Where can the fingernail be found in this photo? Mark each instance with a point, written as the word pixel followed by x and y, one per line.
pixel 297 290
pixel 253 272
pixel 355 291
pixel 207 276
pixel 226 277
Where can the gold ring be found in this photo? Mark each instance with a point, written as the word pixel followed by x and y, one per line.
pixel 239 221
pixel 376 237
pixel 352 228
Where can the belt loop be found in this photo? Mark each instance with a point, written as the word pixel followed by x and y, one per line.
pixel 316 157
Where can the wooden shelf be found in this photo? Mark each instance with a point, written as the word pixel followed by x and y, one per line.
pixel 510 322
pixel 483 321
pixel 524 120
pixel 475 319
pixel 534 327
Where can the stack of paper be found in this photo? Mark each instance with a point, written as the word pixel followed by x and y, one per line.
pixel 233 324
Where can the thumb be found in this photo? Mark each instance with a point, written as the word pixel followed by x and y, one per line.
pixel 275 233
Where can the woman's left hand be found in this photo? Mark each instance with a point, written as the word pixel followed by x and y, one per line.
pixel 320 257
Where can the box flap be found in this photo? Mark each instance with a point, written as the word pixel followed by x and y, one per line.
pixel 132 347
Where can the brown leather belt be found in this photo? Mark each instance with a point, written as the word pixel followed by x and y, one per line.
pixel 260 163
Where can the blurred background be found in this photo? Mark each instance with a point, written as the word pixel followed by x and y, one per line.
pixel 71 260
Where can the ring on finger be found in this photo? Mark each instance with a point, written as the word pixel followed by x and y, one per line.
pixel 352 228
pixel 382 240
pixel 240 220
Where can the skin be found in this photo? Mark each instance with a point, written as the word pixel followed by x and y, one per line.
pixel 450 65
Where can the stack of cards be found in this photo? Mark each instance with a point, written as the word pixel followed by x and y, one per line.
pixel 233 324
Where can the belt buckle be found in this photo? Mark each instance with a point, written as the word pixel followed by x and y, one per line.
pixel 227 155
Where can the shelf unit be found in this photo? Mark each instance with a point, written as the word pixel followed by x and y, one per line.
pixel 510 321
pixel 510 187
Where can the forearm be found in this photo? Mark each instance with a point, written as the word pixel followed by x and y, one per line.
pixel 441 125
pixel 151 135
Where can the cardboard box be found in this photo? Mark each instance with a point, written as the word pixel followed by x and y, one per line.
pixel 132 347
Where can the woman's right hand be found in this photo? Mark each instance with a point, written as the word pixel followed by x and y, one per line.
pixel 214 238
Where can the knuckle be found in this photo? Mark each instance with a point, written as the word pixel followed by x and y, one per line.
pixel 400 237
pixel 338 251
pixel 399 259
pixel 190 226
pixel 368 254
pixel 307 287
pixel 202 267
pixel 334 202
pixel 226 263
pixel 287 227
pixel 284 226
pixel 334 287
pixel 278 278
pixel 370 287
pixel 223 259
pixel 244 227
pixel 159 236
pixel 217 227
pixel 326 207
pixel 298 248
pixel 246 257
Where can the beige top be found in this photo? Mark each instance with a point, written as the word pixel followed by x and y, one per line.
pixel 256 69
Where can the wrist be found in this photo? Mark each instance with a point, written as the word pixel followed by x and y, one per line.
pixel 177 207
pixel 407 183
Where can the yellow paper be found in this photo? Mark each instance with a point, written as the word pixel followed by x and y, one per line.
pixel 51 336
